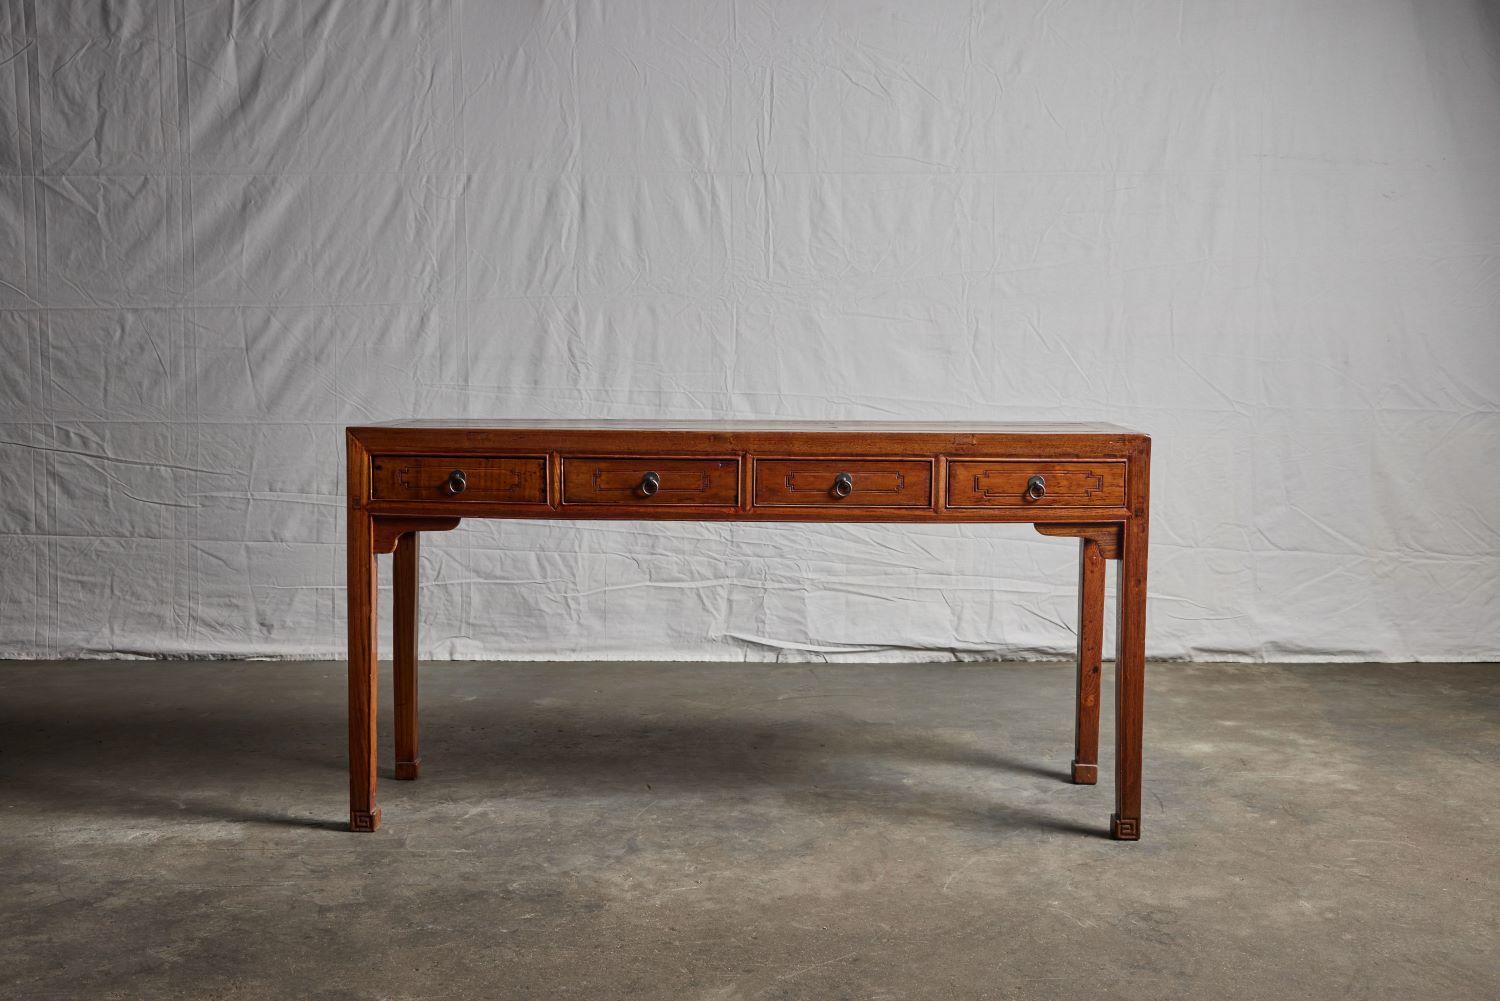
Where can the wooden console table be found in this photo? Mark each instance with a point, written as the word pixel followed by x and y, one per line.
pixel 1086 481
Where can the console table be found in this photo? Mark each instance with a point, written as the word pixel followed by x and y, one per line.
pixel 1085 481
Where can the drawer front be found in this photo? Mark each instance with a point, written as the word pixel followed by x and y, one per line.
pixel 822 483
pixel 518 479
pixel 1005 482
pixel 650 480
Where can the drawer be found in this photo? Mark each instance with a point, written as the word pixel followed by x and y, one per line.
pixel 519 479
pixel 843 483
pixel 1004 483
pixel 650 480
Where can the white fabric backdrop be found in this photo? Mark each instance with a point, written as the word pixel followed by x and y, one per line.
pixel 1267 233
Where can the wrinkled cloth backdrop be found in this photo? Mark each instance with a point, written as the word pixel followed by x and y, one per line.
pixel 1266 233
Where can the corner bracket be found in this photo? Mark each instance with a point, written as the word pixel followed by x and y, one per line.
pixel 1105 536
pixel 388 529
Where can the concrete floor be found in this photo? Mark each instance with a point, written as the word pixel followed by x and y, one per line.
pixel 728 831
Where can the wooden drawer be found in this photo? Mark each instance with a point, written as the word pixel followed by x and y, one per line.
pixel 630 480
pixel 816 483
pixel 1003 483
pixel 520 479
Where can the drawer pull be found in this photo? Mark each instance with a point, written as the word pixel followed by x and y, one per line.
pixel 1036 487
pixel 457 482
pixel 650 484
pixel 843 485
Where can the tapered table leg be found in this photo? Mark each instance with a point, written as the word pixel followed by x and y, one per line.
pixel 364 815
pixel 1130 683
pixel 404 628
pixel 1090 655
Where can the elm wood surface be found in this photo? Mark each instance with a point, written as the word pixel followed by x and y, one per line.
pixel 1085 481
pixel 404 667
pixel 520 478
pixel 980 483
pixel 364 815
pixel 856 427
pixel 1090 655
pixel 866 482
pixel 653 480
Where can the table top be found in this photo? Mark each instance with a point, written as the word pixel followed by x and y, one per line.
pixel 844 427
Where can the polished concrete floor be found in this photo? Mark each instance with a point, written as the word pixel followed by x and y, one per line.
pixel 688 831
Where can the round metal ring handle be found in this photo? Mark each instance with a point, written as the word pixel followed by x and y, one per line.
pixel 650 484
pixel 843 485
pixel 457 482
pixel 1036 487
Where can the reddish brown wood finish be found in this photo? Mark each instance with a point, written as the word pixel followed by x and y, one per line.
pixel 388 532
pixel 1098 491
pixel 1003 484
pixel 1130 658
pixel 872 483
pixel 1106 537
pixel 522 479
pixel 364 815
pixel 1090 656
pixel 595 480
pixel 404 668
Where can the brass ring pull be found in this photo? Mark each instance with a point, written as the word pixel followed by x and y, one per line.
pixel 1036 487
pixel 843 485
pixel 457 482
pixel 650 484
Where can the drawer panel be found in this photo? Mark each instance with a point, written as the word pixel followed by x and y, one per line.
pixel 629 480
pixel 520 479
pixel 1003 483
pixel 816 483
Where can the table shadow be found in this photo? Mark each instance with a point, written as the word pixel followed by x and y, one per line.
pixel 220 762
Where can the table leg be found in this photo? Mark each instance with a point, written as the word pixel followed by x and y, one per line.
pixel 404 628
pixel 362 581
pixel 1090 655
pixel 1130 683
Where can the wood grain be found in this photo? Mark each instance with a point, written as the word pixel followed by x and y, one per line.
pixel 596 480
pixel 518 479
pixel 387 531
pixel 1019 441
pixel 1105 536
pixel 1130 658
pixel 1090 660
pixel 404 668
pixel 875 483
pixel 623 424
pixel 1002 483
pixel 1097 490
pixel 361 585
